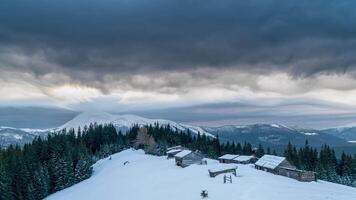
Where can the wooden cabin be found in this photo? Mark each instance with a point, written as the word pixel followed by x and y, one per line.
pixel 175 147
pixel 279 165
pixel 188 157
pixel 300 175
pixel 245 159
pixel 172 151
pixel 270 163
pixel 227 158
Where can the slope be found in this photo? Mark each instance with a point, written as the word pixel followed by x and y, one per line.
pixel 150 177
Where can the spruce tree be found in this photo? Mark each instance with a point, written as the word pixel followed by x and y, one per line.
pixel 260 151
pixel 5 187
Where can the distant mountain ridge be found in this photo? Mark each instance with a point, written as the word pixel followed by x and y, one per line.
pixel 265 134
pixel 124 122
pixel 274 134
pixel 347 133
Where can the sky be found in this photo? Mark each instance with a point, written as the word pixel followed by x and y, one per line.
pixel 206 62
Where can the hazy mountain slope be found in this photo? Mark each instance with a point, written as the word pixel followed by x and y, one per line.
pixel 347 133
pixel 156 178
pixel 35 117
pixel 266 134
pixel 274 134
pixel 9 135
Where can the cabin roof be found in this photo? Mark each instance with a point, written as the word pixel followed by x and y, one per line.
pixel 183 153
pixel 228 156
pixel 243 158
pixel 174 147
pixel 174 151
pixel 270 161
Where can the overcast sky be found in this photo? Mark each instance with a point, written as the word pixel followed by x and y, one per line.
pixel 229 61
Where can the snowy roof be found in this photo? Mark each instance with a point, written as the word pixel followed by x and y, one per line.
pixel 228 156
pixel 222 167
pixel 270 161
pixel 183 153
pixel 174 151
pixel 243 158
pixel 175 147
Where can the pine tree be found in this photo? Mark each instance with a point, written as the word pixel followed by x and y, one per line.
pixel 5 187
pixel 260 151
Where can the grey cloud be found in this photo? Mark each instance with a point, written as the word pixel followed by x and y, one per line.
pixel 302 38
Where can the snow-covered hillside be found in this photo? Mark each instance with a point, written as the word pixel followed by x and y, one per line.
pixel 148 177
pixel 18 136
pixel 124 122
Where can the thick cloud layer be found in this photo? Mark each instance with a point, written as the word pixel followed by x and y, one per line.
pixel 101 37
pixel 154 53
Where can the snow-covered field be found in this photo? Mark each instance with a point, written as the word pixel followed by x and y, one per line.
pixel 148 177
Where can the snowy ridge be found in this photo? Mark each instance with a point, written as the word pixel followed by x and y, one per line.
pixel 148 177
pixel 125 122
pixel 309 133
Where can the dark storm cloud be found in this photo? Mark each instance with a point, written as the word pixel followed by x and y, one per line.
pixel 126 36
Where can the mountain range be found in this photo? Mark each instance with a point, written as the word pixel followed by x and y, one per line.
pixel 274 135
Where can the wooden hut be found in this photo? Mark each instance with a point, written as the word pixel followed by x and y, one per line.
pixel 245 159
pixel 279 165
pixel 175 147
pixel 227 158
pixel 300 175
pixel 272 163
pixel 187 157
pixel 172 151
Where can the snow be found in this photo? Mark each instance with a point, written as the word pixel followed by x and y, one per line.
pixel 243 158
pixel 228 156
pixel 156 178
pixel 125 121
pixel 175 147
pixel 174 150
pixel 275 125
pixel 221 167
pixel 183 153
pixel 17 137
pixel 309 133
pixel 270 161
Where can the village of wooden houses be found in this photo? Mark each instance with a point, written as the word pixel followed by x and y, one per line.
pixel 228 164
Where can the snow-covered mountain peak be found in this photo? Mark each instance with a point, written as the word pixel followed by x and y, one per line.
pixel 126 121
pixel 88 117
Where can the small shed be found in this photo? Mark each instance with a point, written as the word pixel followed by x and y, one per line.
pixel 279 165
pixel 172 151
pixel 245 159
pixel 300 175
pixel 271 163
pixel 175 147
pixel 188 157
pixel 227 158
pixel 222 169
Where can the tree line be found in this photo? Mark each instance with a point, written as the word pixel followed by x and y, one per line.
pixel 59 161
pixel 65 158
pixel 324 162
